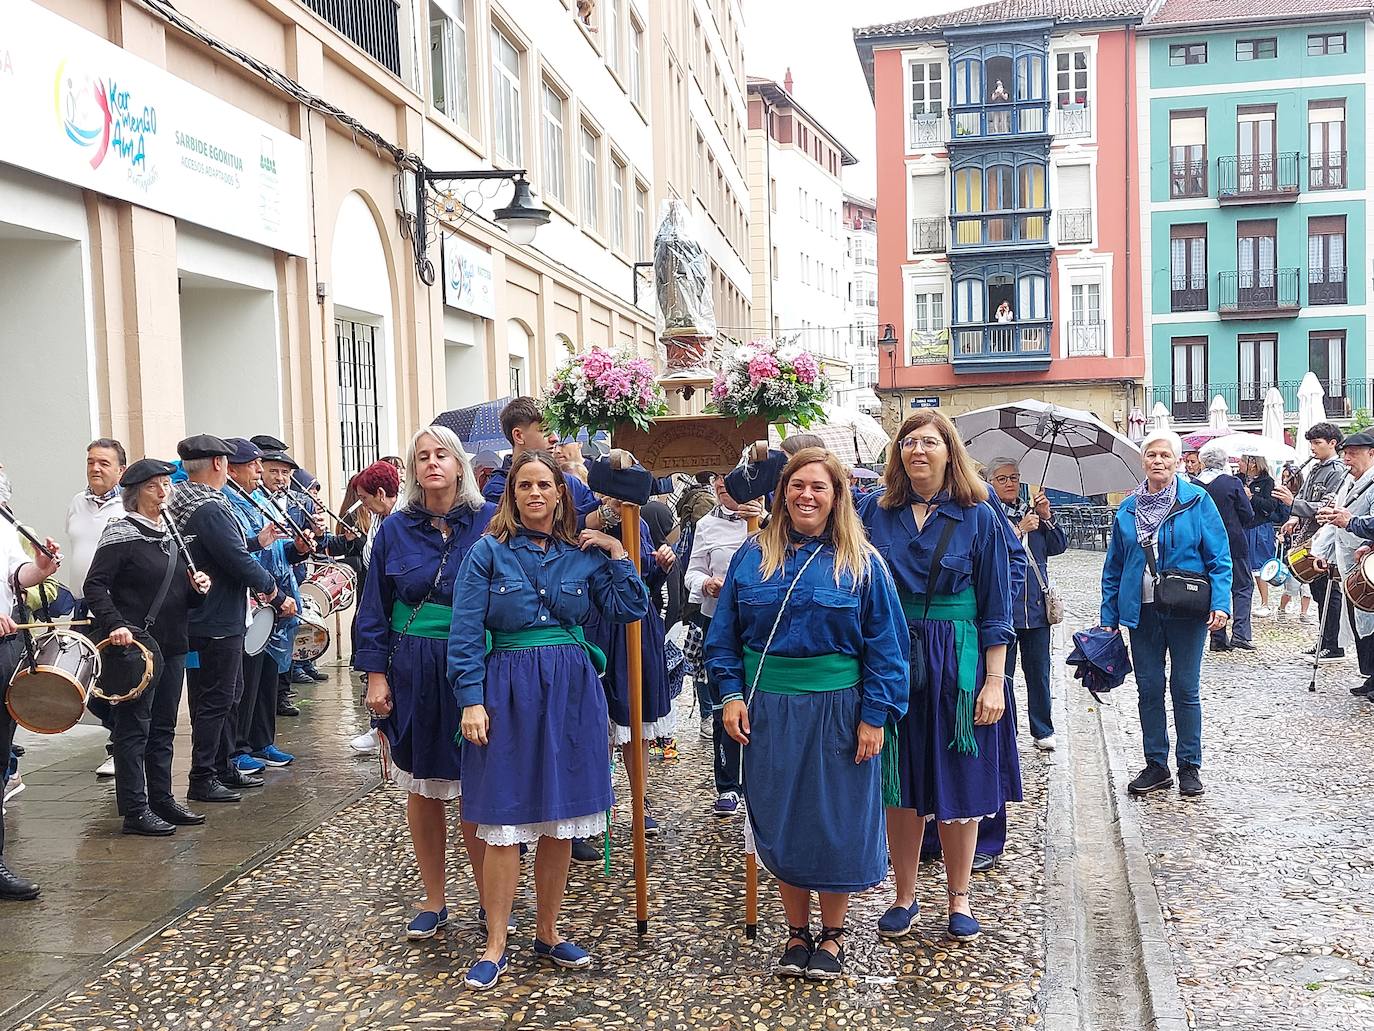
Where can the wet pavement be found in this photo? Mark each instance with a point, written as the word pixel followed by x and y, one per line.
pixel 312 937
pixel 1267 881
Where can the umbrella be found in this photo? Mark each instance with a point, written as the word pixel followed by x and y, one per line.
pixel 1310 411
pixel 1159 415
pixel 1274 451
pixel 1271 427
pixel 1059 448
pixel 478 427
pixel 1216 415
pixel 1194 441
pixel 1100 659
pixel 853 436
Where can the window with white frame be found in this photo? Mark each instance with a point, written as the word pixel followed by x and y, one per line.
pixel 448 60
pixel 1085 300
pixel 927 90
pixel 927 310
pixel 642 218
pixel 610 26
pixel 636 61
pixel 506 119
pixel 555 145
pixel 1071 78
pixel 618 175
pixel 590 178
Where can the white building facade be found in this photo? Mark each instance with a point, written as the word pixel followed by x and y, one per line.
pixel 861 271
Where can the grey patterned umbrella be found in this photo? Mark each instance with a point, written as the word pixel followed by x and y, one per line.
pixel 1060 448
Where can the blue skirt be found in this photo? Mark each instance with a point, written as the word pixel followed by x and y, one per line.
pixel 425 717
pixel 1262 547
pixel 658 693
pixel 546 756
pixel 817 817
pixel 936 779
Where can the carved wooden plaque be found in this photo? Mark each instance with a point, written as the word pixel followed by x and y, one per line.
pixel 691 443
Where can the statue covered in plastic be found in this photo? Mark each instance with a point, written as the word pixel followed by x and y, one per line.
pixel 682 281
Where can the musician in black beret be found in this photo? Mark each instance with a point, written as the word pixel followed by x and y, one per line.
pixel 205 517
pixel 141 589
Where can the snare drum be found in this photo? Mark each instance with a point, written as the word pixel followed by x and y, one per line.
pixel 312 637
pixel 1303 563
pixel 1274 572
pixel 1359 584
pixel 331 586
pixel 50 696
pixel 261 619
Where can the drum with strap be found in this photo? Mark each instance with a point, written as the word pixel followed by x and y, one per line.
pixel 48 692
pixel 261 619
pixel 312 637
pixel 332 586
pixel 1274 572
pixel 1359 584
pixel 1303 563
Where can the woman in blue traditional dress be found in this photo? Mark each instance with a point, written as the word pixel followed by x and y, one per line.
pixel 958 752
pixel 809 648
pixel 534 713
pixel 403 622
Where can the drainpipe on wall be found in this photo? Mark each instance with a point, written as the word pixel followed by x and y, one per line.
pixel 1127 67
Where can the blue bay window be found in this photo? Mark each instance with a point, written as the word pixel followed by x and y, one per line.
pixel 1000 89
pixel 1001 316
pixel 1000 199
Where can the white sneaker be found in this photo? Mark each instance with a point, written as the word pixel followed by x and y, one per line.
pixel 16 784
pixel 1045 744
pixel 1263 612
pixel 105 769
pixel 365 744
pixel 705 728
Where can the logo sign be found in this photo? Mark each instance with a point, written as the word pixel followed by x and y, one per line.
pixel 467 277
pixel 933 401
pixel 83 111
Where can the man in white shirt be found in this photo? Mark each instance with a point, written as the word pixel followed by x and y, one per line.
pixel 87 515
pixel 719 534
pixel 15 568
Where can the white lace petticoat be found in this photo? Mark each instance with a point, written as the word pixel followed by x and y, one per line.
pixel 529 833
pixel 431 787
pixel 664 727
pixel 964 819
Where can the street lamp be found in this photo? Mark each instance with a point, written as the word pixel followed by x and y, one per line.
pixel 888 342
pixel 521 218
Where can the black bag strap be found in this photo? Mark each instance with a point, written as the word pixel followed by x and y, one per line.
pixel 1148 546
pixel 161 596
pixel 941 546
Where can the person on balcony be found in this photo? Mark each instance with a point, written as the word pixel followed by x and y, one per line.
pixel 999 93
pixel 1004 314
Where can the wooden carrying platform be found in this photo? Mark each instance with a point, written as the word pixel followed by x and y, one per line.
pixel 690 443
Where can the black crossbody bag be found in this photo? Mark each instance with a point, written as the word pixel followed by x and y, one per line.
pixel 1182 590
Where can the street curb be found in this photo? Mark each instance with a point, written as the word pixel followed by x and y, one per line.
pixel 1059 987
pixel 1163 998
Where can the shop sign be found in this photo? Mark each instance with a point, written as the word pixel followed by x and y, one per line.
pixel 467 277
pixel 83 111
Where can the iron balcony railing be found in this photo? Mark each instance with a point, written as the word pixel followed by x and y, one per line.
pixel 1087 338
pixel 1028 118
pixel 1002 229
pixel 1076 225
pixel 1326 170
pixel 1258 177
pixel 927 235
pixel 999 342
pixel 1187 179
pixel 928 130
pixel 1075 120
pixel 1188 293
pixel 372 24
pixel 1245 400
pixel 1258 292
pixel 1326 286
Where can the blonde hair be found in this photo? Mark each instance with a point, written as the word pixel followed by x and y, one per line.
pixel 853 554
pixel 506 523
pixel 414 494
pixel 962 481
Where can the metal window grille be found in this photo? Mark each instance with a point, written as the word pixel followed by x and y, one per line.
pixel 359 405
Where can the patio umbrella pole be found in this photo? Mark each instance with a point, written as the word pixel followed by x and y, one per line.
pixel 634 766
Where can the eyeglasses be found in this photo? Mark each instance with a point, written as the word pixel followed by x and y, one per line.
pixel 924 443
pixel 1010 478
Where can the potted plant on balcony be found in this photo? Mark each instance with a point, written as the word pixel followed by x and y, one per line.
pixel 601 391
pixel 780 381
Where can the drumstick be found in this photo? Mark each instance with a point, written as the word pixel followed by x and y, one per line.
pixel 5 511
pixel 52 622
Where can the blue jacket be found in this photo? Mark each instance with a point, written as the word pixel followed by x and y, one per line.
pixel 1191 536
pixel 277 560
pixel 583 499
pixel 1028 599
pixel 1233 505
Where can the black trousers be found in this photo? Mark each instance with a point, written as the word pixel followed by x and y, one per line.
pixel 212 691
pixel 141 734
pixel 11 651
pixel 257 715
pixel 1330 624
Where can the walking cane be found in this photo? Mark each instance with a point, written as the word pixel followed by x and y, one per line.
pixel 1332 587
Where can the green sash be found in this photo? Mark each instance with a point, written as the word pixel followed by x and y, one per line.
pixel 816 674
pixel 545 637
pixel 960 609
pixel 431 619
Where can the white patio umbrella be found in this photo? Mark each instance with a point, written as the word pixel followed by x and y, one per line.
pixel 1271 425
pixel 1060 448
pixel 1216 415
pixel 1276 452
pixel 853 436
pixel 1310 411
pixel 1160 416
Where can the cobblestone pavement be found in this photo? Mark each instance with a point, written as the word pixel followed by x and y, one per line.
pixel 312 939
pixel 1267 881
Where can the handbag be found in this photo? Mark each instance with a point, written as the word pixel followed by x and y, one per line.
pixel 1054 605
pixel 1182 590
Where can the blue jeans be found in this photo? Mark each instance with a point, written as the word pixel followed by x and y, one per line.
pixel 1181 639
pixel 1034 643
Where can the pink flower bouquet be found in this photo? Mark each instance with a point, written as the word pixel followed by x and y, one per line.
pixel 782 382
pixel 599 391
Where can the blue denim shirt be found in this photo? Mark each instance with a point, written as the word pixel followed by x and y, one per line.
pixel 520 586
pixel 822 618
pixel 405 558
pixel 980 555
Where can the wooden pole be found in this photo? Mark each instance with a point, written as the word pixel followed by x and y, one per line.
pixel 751 863
pixel 634 763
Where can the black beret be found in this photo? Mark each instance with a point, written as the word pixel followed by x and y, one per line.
pixel 203 445
pixel 244 451
pixel 269 443
pixel 279 456
pixel 1362 439
pixel 144 470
